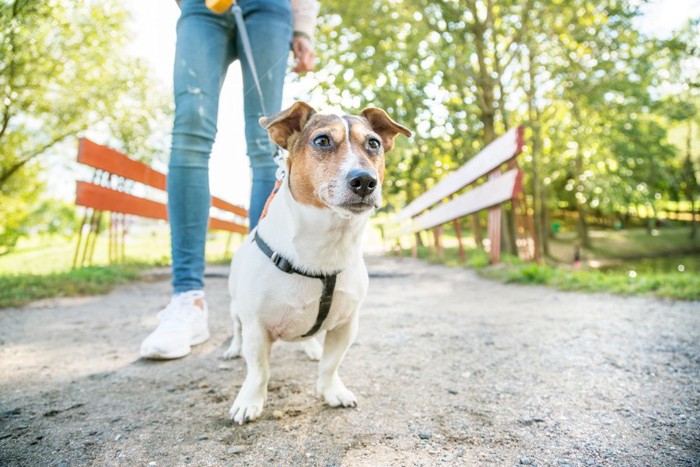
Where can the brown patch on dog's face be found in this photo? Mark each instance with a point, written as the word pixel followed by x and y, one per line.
pixel 336 162
pixel 385 126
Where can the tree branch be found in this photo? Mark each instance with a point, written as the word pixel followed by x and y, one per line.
pixel 5 120
pixel 8 173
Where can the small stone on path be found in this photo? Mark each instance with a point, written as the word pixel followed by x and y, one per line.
pixel 236 449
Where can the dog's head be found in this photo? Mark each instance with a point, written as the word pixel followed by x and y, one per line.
pixel 335 161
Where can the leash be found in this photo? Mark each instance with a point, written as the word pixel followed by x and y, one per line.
pixel 328 280
pixel 248 51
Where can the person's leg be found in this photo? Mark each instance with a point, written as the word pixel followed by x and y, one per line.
pixel 269 25
pixel 204 51
pixel 203 54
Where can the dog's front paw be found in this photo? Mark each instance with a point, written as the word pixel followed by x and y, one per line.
pixel 337 395
pixel 244 411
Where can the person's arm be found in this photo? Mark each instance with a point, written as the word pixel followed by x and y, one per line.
pixel 305 15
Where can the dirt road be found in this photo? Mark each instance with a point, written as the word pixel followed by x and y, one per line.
pixel 449 369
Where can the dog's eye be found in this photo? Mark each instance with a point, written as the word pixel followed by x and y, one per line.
pixel 374 144
pixel 322 141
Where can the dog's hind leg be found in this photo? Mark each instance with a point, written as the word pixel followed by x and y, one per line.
pixel 335 346
pixel 257 346
pixel 234 350
pixel 312 349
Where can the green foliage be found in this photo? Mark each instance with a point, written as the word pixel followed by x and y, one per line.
pixel 17 201
pixel 680 286
pixel 20 289
pixel 25 216
pixel 578 74
pixel 608 245
pixel 40 267
pixel 64 73
pixel 477 259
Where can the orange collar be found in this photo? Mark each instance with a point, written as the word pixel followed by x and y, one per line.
pixel 278 184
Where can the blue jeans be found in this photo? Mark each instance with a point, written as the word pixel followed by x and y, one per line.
pixel 207 44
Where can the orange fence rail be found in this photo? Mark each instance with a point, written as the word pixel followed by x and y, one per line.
pixel 113 168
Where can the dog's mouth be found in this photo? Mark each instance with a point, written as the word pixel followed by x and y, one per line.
pixel 347 205
pixel 359 207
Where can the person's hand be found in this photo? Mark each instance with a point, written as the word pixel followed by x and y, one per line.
pixel 304 54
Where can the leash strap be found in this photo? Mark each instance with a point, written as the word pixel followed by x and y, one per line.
pixel 248 51
pixel 284 265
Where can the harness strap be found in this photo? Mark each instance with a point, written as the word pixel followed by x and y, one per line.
pixel 324 305
pixel 284 265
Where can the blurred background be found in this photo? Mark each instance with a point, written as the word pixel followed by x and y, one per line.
pixel 608 93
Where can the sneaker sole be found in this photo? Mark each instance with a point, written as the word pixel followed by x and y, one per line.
pixel 200 338
pixel 156 355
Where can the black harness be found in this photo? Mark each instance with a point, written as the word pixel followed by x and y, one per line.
pixel 283 264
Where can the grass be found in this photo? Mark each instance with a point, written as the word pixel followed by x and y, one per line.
pixel 678 286
pixel 20 289
pixel 674 285
pixel 627 244
pixel 148 246
pixel 42 267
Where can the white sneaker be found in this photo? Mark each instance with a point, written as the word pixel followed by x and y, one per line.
pixel 182 325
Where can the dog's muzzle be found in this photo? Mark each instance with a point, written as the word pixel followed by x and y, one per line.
pixel 362 186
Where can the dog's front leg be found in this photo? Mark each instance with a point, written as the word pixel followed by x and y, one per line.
pixel 256 351
pixel 234 350
pixel 335 346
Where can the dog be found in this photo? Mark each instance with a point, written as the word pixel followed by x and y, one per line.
pixel 301 271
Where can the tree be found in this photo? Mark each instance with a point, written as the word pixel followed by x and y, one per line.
pixel 577 73
pixel 64 71
pixel 681 108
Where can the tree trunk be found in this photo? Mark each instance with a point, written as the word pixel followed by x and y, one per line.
pixel 691 185
pixel 509 233
pixel 581 224
pixel 693 222
pixel 486 85
pixel 651 221
pixel 544 225
pixel 476 229
pixel 538 206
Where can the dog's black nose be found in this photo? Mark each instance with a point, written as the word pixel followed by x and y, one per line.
pixel 362 182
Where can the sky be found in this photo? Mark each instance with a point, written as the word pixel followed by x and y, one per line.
pixel 154 41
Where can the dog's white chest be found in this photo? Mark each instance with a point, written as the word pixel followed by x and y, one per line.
pixel 293 315
pixel 287 304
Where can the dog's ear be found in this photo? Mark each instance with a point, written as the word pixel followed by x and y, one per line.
pixel 286 123
pixel 385 127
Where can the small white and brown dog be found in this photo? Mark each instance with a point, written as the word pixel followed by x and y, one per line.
pixel 301 271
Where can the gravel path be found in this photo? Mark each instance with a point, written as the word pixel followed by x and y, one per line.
pixel 449 369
